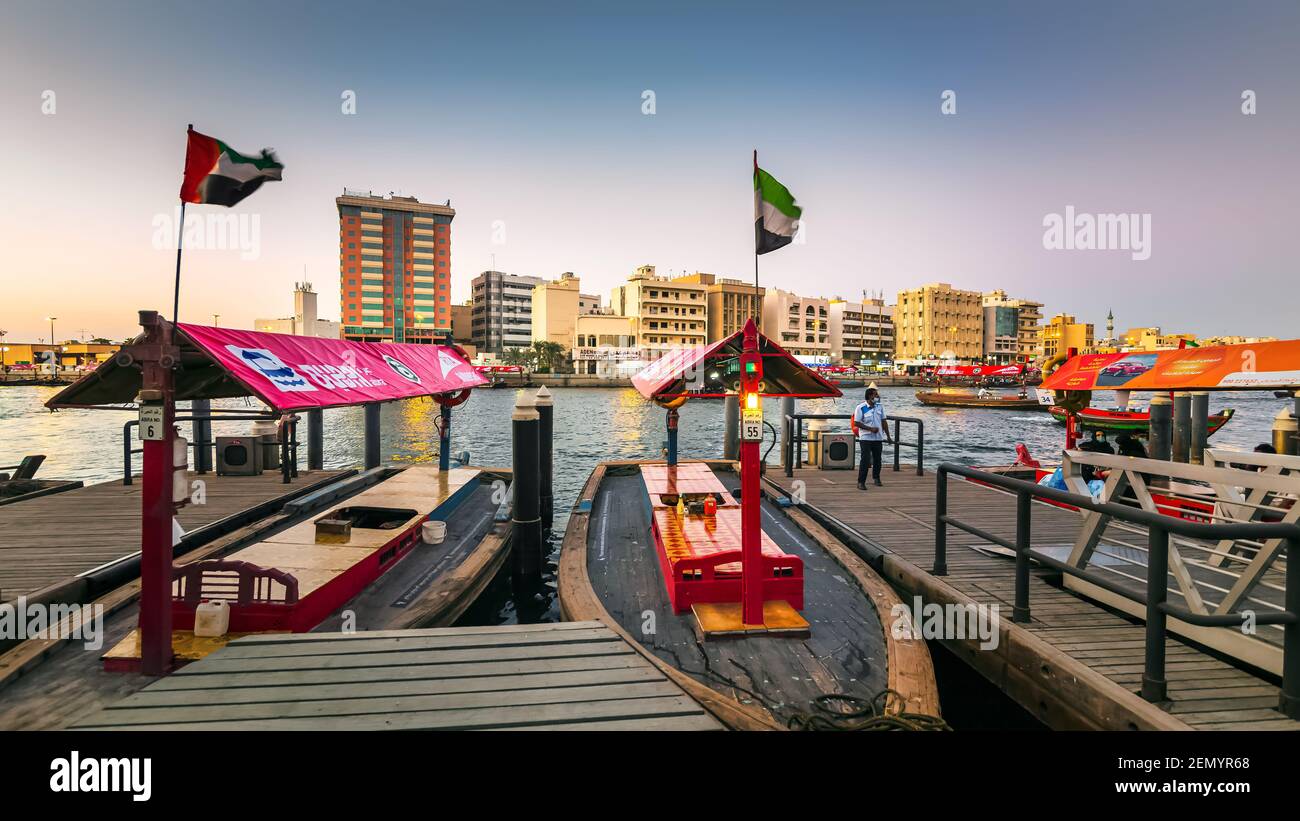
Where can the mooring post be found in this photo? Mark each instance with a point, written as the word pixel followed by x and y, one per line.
pixel 940 523
pixel 315 439
pixel 545 454
pixel 372 435
pixel 1182 439
pixel 1200 426
pixel 444 437
pixel 731 427
pixel 1154 685
pixel 672 420
pixel 1161 423
pixel 526 523
pixel 201 433
pixel 1284 432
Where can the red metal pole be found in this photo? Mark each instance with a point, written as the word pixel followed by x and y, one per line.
pixel 751 523
pixel 157 357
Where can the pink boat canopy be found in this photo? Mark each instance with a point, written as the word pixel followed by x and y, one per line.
pixel 708 371
pixel 286 372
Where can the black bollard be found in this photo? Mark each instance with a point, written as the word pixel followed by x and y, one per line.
pixel 1182 439
pixel 444 438
pixel 546 450
pixel 731 426
pixel 315 439
pixel 526 522
pixel 1161 446
pixel 372 435
pixel 1200 425
pixel 201 433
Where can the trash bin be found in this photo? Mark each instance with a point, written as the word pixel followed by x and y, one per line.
pixel 268 434
pixel 812 432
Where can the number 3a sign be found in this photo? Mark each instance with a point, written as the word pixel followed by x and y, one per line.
pixel 151 423
pixel 751 425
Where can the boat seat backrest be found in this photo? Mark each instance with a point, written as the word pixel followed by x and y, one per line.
pixel 235 582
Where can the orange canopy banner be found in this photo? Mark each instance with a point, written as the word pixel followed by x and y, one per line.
pixel 1249 366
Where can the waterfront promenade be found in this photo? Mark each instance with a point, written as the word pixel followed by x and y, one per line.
pixel 1077 664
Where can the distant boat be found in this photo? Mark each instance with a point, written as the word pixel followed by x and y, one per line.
pixel 1135 422
pixel 974 400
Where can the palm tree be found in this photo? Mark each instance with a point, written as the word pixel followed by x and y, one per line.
pixel 549 355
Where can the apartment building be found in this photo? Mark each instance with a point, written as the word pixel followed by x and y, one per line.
pixel 800 324
pixel 394 268
pixel 1063 333
pixel 556 305
pixel 605 344
pixel 938 321
pixel 731 302
pixel 1012 328
pixel 502 313
pixel 861 332
pixel 669 313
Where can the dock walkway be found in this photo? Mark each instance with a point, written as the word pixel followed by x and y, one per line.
pixel 567 676
pixel 1078 664
pixel 52 539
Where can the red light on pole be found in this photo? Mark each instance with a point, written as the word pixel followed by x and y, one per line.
pixel 751 435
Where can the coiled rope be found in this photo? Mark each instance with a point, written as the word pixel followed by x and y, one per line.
pixel 840 711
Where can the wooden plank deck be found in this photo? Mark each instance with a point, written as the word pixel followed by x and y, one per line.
pixel 1205 692
pixel 571 675
pixel 54 538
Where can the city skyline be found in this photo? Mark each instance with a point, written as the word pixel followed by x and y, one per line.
pixel 552 166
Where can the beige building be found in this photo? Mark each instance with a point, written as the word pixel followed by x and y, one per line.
pixel 304 321
pixel 731 302
pixel 938 321
pixel 1063 333
pixel 1152 339
pixel 801 324
pixel 668 313
pixel 556 305
pixel 861 332
pixel 605 344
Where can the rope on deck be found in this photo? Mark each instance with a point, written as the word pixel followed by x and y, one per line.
pixel 840 711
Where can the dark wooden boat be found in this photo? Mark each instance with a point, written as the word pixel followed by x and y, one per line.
pixel 1137 423
pixel 613 570
pixel 971 400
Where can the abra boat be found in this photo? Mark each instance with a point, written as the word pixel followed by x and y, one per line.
pixel 1134 422
pixel 756 612
pixel 973 400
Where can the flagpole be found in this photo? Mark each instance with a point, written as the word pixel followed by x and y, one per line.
pixel 180 238
pixel 758 301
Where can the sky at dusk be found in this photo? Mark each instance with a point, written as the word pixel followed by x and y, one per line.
pixel 529 118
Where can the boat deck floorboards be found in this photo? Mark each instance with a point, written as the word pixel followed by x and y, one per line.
pixel 51 539
pixel 846 652
pixel 572 675
pixel 1206 692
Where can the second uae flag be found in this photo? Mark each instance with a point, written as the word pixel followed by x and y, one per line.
pixel 217 174
pixel 776 216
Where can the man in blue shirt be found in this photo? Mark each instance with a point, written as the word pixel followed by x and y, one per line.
pixel 869 423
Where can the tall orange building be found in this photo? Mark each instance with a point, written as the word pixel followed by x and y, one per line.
pixel 394 268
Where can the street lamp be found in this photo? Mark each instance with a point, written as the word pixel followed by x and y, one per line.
pixel 54 354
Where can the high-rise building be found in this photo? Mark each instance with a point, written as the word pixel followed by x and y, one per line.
pixel 556 305
pixel 800 324
pixel 1028 319
pixel 861 332
pixel 503 311
pixel 394 268
pixel 1063 333
pixel 669 313
pixel 730 303
pixel 304 321
pixel 938 321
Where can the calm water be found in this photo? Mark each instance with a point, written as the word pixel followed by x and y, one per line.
pixel 590 425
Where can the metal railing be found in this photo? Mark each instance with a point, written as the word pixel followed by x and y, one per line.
pixel 1158 609
pixel 792 448
pixel 201 446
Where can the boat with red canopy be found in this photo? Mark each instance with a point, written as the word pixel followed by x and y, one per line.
pixel 360 552
pixel 734 593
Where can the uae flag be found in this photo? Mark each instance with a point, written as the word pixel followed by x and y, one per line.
pixel 775 213
pixel 217 174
